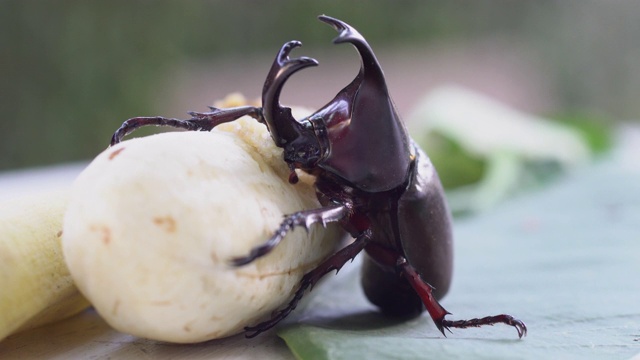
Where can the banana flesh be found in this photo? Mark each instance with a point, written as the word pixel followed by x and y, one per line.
pixel 153 222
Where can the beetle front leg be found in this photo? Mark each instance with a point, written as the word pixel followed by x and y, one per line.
pixel 198 122
pixel 302 218
pixel 310 279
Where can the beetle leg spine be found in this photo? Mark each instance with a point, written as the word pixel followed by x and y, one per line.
pixel 425 291
pixel 302 218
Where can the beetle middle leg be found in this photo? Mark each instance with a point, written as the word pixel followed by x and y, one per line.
pixel 198 122
pixel 302 218
pixel 310 279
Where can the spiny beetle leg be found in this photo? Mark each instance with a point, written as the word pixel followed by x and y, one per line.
pixel 425 291
pixel 198 122
pixel 438 313
pixel 302 218
pixel 310 279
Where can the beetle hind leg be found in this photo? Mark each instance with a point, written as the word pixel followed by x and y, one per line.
pixel 390 257
pixel 310 279
pixel 438 313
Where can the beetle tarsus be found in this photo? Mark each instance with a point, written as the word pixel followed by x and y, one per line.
pixel 309 280
pixel 302 218
pixel 132 124
pixel 488 320
pixel 198 122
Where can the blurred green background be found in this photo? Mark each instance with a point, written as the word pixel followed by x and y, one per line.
pixel 72 71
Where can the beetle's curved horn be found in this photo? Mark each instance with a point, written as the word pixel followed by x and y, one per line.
pixel 282 126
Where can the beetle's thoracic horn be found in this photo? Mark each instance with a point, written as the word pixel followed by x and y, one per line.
pixel 363 113
pixel 348 34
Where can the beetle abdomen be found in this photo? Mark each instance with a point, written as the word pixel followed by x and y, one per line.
pixel 425 226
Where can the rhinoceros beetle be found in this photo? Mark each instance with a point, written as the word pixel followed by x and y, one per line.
pixel 371 178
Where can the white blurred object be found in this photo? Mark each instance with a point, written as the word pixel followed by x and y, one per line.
pixel 506 139
pixel 484 127
pixel 627 149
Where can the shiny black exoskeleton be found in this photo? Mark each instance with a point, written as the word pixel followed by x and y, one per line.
pixel 370 177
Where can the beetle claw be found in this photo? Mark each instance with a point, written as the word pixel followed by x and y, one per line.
pixel 441 327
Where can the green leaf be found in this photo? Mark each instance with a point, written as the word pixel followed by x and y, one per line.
pixel 565 259
pixel 456 166
pixel 591 127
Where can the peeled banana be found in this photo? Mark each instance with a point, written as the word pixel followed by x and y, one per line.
pixel 149 230
pixel 153 222
pixel 35 284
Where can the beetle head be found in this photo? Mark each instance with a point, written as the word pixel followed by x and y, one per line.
pixel 302 148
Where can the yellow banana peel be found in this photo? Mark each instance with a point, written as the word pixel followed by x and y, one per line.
pixel 35 285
